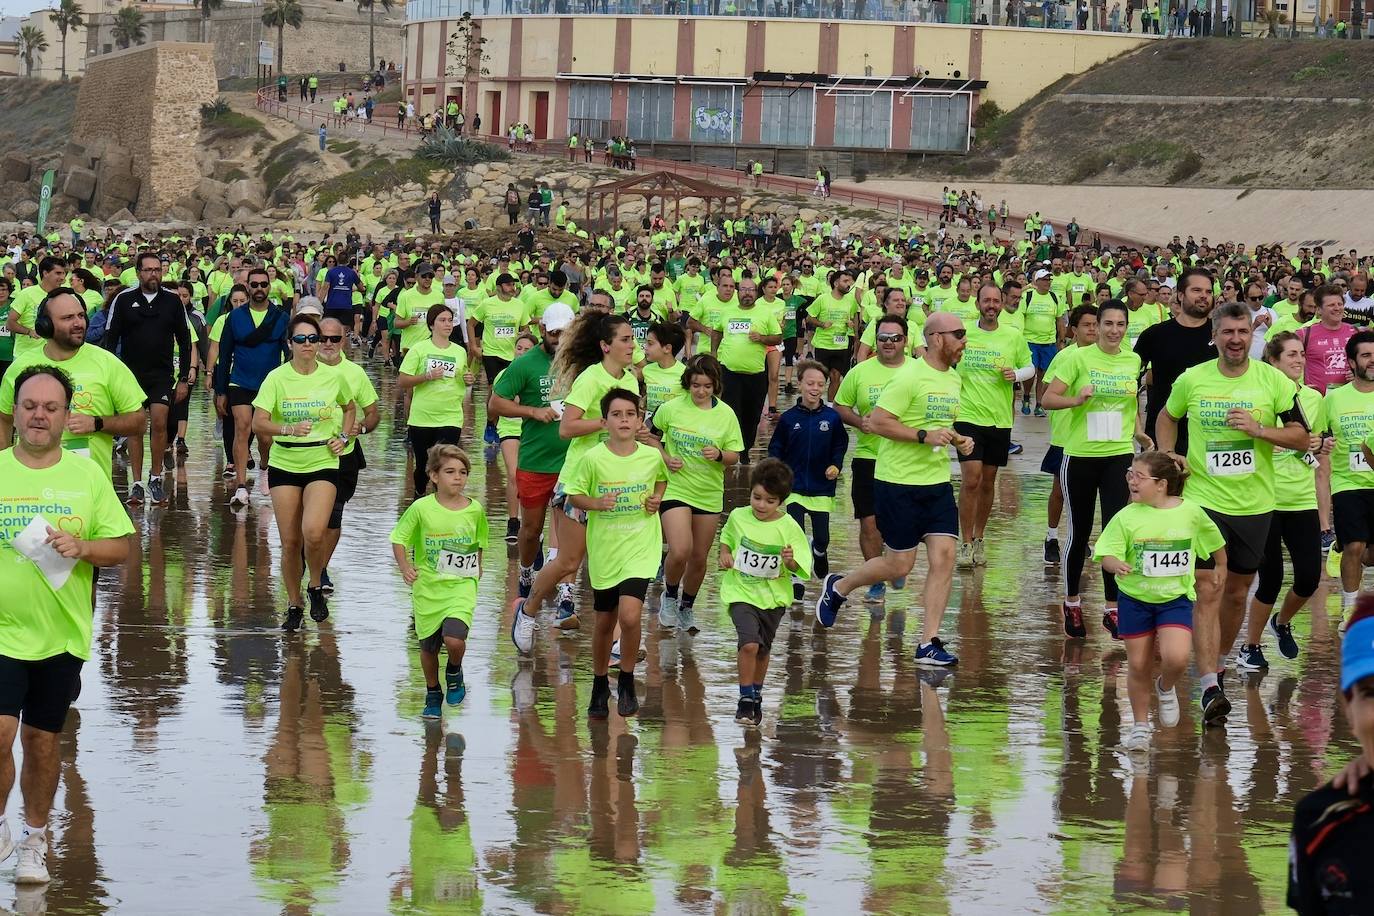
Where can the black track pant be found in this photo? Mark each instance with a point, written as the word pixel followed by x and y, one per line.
pixel 1085 480
pixel 422 439
pixel 746 393
pixel 1300 532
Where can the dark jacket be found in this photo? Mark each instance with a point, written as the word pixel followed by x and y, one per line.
pixel 248 351
pixel 809 441
pixel 1329 854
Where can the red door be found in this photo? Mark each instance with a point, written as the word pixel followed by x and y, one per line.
pixel 494 125
pixel 541 115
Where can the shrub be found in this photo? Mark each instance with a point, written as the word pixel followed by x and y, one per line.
pixel 212 111
pixel 1086 166
pixel 987 112
pixel 444 147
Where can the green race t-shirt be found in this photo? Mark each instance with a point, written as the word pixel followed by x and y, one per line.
pixel 920 397
pixel 1105 425
pixel 74 495
pixel 360 391
pixel 446 547
pixel 412 303
pixel 25 302
pixel 859 390
pixel 501 324
pixel 104 387
pixel 625 542
pixel 438 402
pixel 1042 311
pixel 6 337
pixel 1295 481
pixel 686 429
pixel 527 381
pixel 840 315
pixel 1161 547
pixel 737 352
pixel 758 577
pixel 587 391
pixel 289 397
pixel 1349 414
pixel 661 385
pixel 985 397
pixel 965 309
pixel 1231 473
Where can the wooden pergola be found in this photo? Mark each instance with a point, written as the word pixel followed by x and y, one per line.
pixel 664 186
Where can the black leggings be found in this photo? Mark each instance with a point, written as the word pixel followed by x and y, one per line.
pixel 422 439
pixel 820 525
pixel 1300 532
pixel 1082 479
pixel 745 393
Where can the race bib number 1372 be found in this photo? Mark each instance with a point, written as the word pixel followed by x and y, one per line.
pixel 458 565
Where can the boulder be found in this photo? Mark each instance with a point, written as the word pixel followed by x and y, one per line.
pixel 118 187
pixel 208 189
pixel 179 214
pixel 75 156
pixel 120 216
pixel 246 215
pixel 116 160
pixel 192 203
pixel 246 193
pixel 26 209
pixel 79 184
pixel 808 216
pixel 62 208
pixel 14 167
pixel 215 211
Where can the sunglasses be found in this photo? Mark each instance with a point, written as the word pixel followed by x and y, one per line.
pixel 331 338
pixel 890 338
pixel 1254 298
pixel 305 338
pixel 259 285
pixel 957 334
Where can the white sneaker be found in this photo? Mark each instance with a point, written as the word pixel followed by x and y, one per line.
pixel 522 632
pixel 1139 738
pixel 1168 705
pixel 33 860
pixel 667 612
pixel 240 497
pixel 7 843
pixel 615 652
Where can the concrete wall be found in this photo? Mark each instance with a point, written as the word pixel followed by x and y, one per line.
pixel 147 101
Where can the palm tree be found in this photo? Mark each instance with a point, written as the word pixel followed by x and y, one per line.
pixel 32 42
pixel 279 14
pixel 371 7
pixel 206 7
pixel 128 28
pixel 67 17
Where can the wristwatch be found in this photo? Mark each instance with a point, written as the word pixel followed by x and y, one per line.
pixel 99 424
pixel 921 436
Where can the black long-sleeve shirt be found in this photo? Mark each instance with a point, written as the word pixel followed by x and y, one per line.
pixel 144 330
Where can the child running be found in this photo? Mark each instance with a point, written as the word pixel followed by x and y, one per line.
pixel 758 542
pixel 438 546
pixel 619 484
pixel 1151 545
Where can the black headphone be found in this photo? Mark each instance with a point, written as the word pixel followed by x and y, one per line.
pixel 42 322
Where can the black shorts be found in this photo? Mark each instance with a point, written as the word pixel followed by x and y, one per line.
pixel 991 444
pixel 39 693
pixel 607 600
pixel 342 316
pixel 789 350
pixel 1352 515
pixel 861 486
pixel 239 397
pixel 834 360
pixel 276 477
pixel 755 626
pixel 679 504
pixel 1246 537
pixel 346 485
pixel 1053 461
pixel 157 388
pixel 909 513
pixel 452 627
pixel 493 366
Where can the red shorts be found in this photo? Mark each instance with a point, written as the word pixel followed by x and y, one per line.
pixel 535 488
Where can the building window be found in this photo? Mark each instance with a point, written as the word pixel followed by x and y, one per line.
pixel 716 113
pixel 940 122
pixel 589 110
pixel 863 119
pixel 651 112
pixel 787 116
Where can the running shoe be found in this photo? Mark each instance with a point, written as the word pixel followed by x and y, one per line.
pixel 1283 632
pixel 240 497
pixel 156 491
pixel 798 589
pixel 965 560
pixel 295 616
pixel 434 704
pixel 1025 407
pixel 758 712
pixel 7 845
pixel 1251 658
pixel 934 654
pixel 136 494
pixel 181 446
pixel 744 713
pixel 1333 563
pixel 820 565
pixel 33 860
pixel 522 629
pixel 876 592
pixel 615 652
pixel 1073 621
pixel 687 618
pixel 512 530
pixel 565 618
pixel 1328 539
pixel 1039 411
pixel 457 690
pixel 829 603
pixel 319 608
pixel 980 553
pixel 1215 706
pixel 627 704
pixel 599 707
pixel 228 472
pixel 1138 739
pixel 489 434
pixel 325 582
pixel 1015 448
pixel 1051 551
pixel 667 612
pixel 1168 705
pixel 538 557
pixel 523 583
pixel 1110 623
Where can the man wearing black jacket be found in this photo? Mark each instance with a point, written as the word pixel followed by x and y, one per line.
pixel 146 326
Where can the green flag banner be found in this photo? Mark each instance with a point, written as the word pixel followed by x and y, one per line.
pixel 45 199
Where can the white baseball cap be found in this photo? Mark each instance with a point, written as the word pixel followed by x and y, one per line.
pixel 556 317
pixel 1042 274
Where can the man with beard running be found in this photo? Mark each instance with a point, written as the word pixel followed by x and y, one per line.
pixel 1170 347
pixel 145 325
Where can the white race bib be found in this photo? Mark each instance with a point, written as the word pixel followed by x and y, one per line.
pixel 1230 459
pixel 4 331
pixel 447 366
pixel 1159 560
pixel 750 562
pixel 557 407
pixel 501 331
pixel 739 327
pixel 1357 460
pixel 457 565
pixel 1310 460
pixel 1104 426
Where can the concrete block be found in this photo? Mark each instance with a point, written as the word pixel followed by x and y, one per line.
pixel 15 167
pixel 245 193
pixel 79 184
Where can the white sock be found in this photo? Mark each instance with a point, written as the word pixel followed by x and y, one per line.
pixel 1052 534
pixel 40 832
pixel 1348 599
pixel 1221 662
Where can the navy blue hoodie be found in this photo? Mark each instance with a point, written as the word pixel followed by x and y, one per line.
pixel 809 441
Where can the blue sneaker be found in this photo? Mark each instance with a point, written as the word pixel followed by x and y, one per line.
pixel 456 689
pixel 489 435
pixel 434 704
pixel 1328 539
pixel 1015 448
pixel 523 585
pixel 566 616
pixel 876 592
pixel 1025 407
pixel 899 583
pixel 934 654
pixel 539 557
pixel 828 604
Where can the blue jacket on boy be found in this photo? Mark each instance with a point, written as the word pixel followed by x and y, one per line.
pixel 809 441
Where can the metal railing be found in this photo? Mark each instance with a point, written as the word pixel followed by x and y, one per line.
pixel 322 112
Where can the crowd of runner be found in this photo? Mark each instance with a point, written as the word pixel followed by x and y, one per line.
pixel 1210 407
